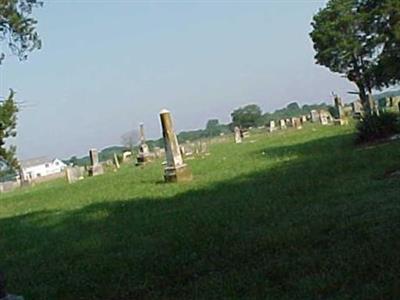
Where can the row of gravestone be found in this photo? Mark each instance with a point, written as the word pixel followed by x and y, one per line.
pixel 316 116
pixel 174 171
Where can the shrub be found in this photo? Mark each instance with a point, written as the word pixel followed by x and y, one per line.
pixel 373 128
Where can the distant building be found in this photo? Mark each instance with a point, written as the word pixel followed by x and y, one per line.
pixel 41 167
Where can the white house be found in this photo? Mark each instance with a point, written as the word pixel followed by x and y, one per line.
pixel 40 167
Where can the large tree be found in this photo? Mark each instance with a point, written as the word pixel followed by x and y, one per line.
pixel 8 123
pixel 246 116
pixel 17 27
pixel 18 32
pixel 355 38
pixel 384 24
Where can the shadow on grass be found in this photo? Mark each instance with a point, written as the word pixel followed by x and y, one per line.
pixel 316 227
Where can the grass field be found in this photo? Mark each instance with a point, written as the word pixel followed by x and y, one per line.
pixel 293 215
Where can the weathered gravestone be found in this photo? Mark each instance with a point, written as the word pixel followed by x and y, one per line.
pixel 95 167
pixel 74 174
pixel 190 149
pixel 238 135
pixel 373 106
pixel 282 124
pixel 158 152
pixel 116 161
pixel 245 133
pixel 395 102
pixel 126 156
pixel 296 123
pixel 340 115
pixel 314 116
pixel 272 126
pixel 176 170
pixel 144 155
pixel 203 147
pixel 3 292
pixel 323 119
pixel 357 108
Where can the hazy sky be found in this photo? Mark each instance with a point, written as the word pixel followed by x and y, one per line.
pixel 106 66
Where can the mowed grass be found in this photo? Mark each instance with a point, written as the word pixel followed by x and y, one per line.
pixel 290 215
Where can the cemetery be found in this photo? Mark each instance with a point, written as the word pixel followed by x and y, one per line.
pixel 271 202
pixel 293 202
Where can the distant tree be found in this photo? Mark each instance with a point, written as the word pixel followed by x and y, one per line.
pixel 73 160
pixel 212 123
pixel 294 106
pixel 8 123
pixel 130 139
pixel 246 116
pixel 213 127
pixel 360 39
pixel 18 28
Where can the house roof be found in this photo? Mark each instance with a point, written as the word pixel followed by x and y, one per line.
pixel 35 162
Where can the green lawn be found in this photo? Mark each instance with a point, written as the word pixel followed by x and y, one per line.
pixel 293 215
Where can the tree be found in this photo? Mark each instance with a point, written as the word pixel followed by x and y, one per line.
pixel 384 24
pixel 294 106
pixel 8 123
pixel 73 160
pixel 213 127
pixel 343 41
pixel 246 116
pixel 17 28
pixel 130 139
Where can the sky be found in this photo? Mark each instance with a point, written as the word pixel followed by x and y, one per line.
pixel 106 66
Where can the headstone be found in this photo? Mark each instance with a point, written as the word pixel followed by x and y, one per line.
pixel 296 123
pixel 94 157
pixel 95 168
pixel 314 116
pixel 387 102
pixel 340 118
pixel 238 135
pixel 74 174
pixel 357 108
pixel 190 149
pixel 144 156
pixel 176 170
pixel 126 156
pixel 376 108
pixel 395 102
pixel 158 152
pixel 203 147
pixel 282 124
pixel 116 161
pixel 182 150
pixel 323 119
pixel 272 126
